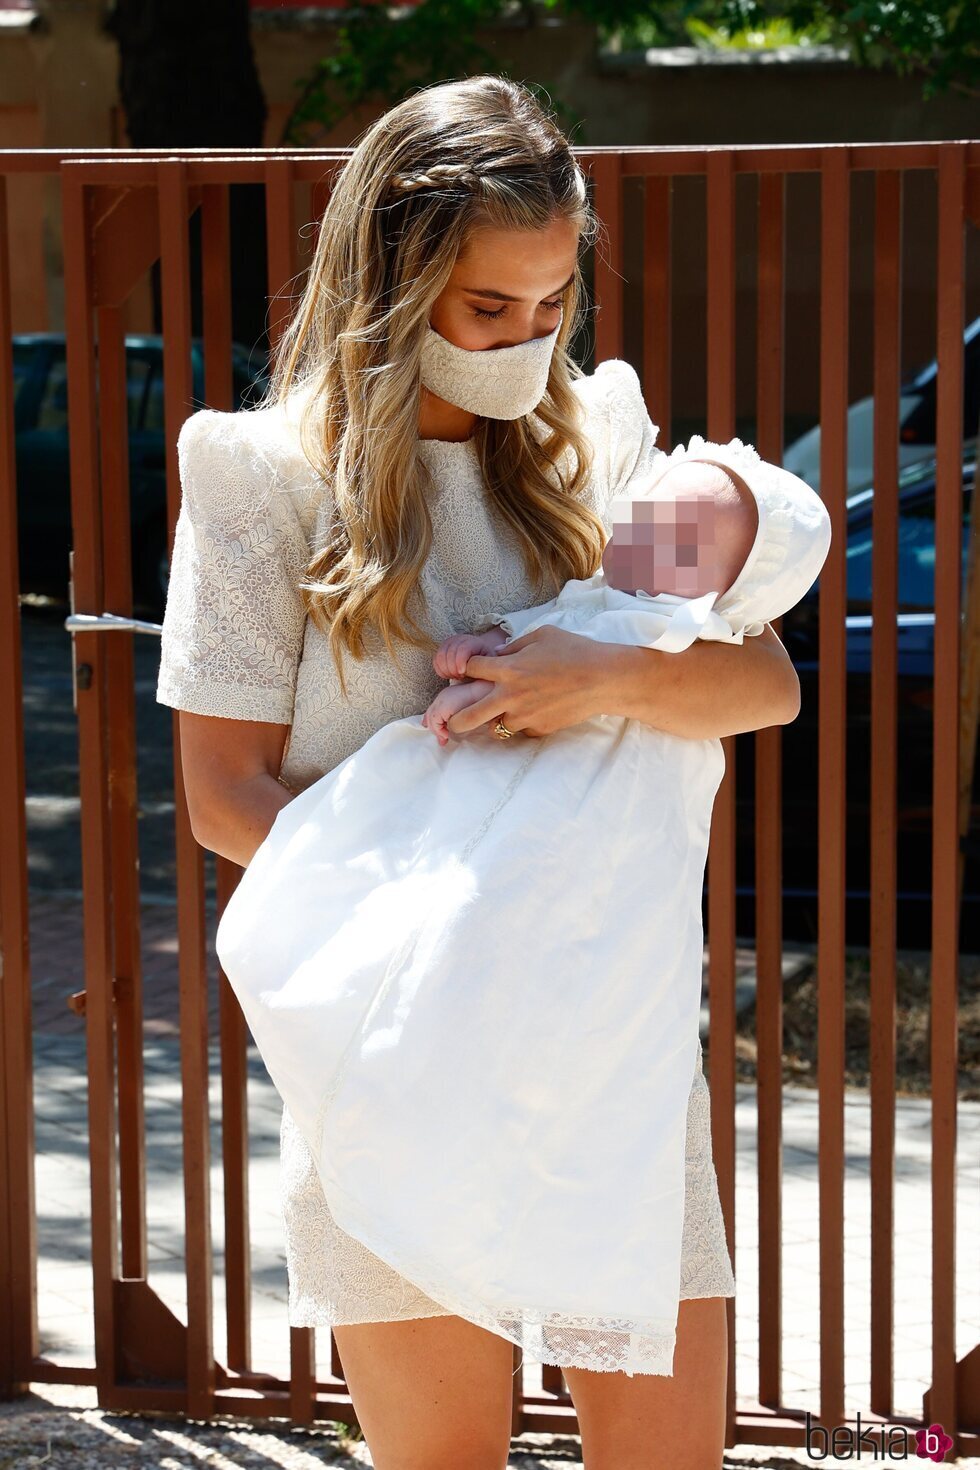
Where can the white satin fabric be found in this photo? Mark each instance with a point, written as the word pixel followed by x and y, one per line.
pixel 474 974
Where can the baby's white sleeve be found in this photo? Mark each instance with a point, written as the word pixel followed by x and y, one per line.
pixel 516 623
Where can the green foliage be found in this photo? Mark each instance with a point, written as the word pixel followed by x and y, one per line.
pixel 777 31
pixel 379 56
pixel 936 40
pixel 665 24
pixel 382 52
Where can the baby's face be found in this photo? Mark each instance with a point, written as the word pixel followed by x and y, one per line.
pixel 691 539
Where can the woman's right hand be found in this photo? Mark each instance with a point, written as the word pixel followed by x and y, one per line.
pixel 231 770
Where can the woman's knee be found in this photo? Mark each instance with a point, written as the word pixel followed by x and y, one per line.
pixel 660 1422
pixel 431 1393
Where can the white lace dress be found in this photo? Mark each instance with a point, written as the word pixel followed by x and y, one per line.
pixel 236 643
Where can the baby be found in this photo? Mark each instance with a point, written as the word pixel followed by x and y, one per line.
pixel 692 538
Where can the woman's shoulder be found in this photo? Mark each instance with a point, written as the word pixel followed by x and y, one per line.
pixel 251 455
pixel 266 436
pixel 611 381
pixel 617 422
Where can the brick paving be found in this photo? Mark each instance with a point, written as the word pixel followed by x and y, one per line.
pixel 56 930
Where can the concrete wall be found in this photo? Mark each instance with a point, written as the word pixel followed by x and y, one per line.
pixel 58 89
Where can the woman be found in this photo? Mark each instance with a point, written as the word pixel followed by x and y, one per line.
pixel 394 488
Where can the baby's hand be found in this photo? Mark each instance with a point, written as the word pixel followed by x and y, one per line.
pixel 449 702
pixel 450 658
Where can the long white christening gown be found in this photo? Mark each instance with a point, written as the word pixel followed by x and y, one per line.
pixel 474 974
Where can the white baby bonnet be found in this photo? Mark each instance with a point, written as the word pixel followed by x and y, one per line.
pixel 792 538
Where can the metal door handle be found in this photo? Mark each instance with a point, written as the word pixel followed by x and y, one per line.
pixel 81 674
pixel 108 622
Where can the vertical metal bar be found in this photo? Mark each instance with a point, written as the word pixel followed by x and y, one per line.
pixel 607 171
pixel 121 750
pixel 18 1223
pixel 302 1374
pixel 234 1150
pixel 884 825
pixel 233 1033
pixel 770 404
pixel 834 295
pixel 216 295
pixel 281 253
pixel 280 226
pixel 553 1380
pixel 720 223
pixel 945 794
pixel 657 206
pixel 178 389
pixel 93 765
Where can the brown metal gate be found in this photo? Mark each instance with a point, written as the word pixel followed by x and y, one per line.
pixel 121 211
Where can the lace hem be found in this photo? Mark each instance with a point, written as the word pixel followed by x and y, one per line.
pixel 230 701
pixel 562 1339
pixel 370 1288
pixel 336 1280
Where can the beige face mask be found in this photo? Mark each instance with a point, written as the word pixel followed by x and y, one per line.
pixel 497 382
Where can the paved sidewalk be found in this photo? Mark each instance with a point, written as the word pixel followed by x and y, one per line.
pixel 61 1429
pixel 62 1191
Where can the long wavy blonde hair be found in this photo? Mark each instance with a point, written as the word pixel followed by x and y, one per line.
pixel 450 158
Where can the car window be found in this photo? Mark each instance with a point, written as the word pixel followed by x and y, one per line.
pixel 153 421
pixel 139 371
pixel 53 410
pixel 22 356
pixel 919 427
pixel 916 557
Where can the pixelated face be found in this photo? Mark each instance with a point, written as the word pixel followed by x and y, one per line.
pixel 666 545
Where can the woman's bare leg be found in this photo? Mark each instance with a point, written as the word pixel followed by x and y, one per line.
pixel 431 1393
pixel 653 1422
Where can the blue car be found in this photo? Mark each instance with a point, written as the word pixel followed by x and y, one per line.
pixel 43 482
pixel 917 408
pixel 916 629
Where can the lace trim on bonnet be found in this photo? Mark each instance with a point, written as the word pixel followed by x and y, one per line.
pixel 789 527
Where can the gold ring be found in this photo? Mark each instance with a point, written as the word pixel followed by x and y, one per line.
pixel 501 731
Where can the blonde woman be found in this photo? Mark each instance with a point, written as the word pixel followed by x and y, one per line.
pixel 428 452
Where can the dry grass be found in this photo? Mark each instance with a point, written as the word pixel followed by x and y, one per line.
pixel 912 1029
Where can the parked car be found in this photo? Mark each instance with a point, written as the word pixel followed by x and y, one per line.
pixel 43 483
pixel 917 422
pixel 801 795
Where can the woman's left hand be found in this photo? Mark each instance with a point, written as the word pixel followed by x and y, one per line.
pixel 544 680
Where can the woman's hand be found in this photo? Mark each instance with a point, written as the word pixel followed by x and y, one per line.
pixel 550 678
pixel 543 681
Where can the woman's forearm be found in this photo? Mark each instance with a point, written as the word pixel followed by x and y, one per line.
pixel 708 691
